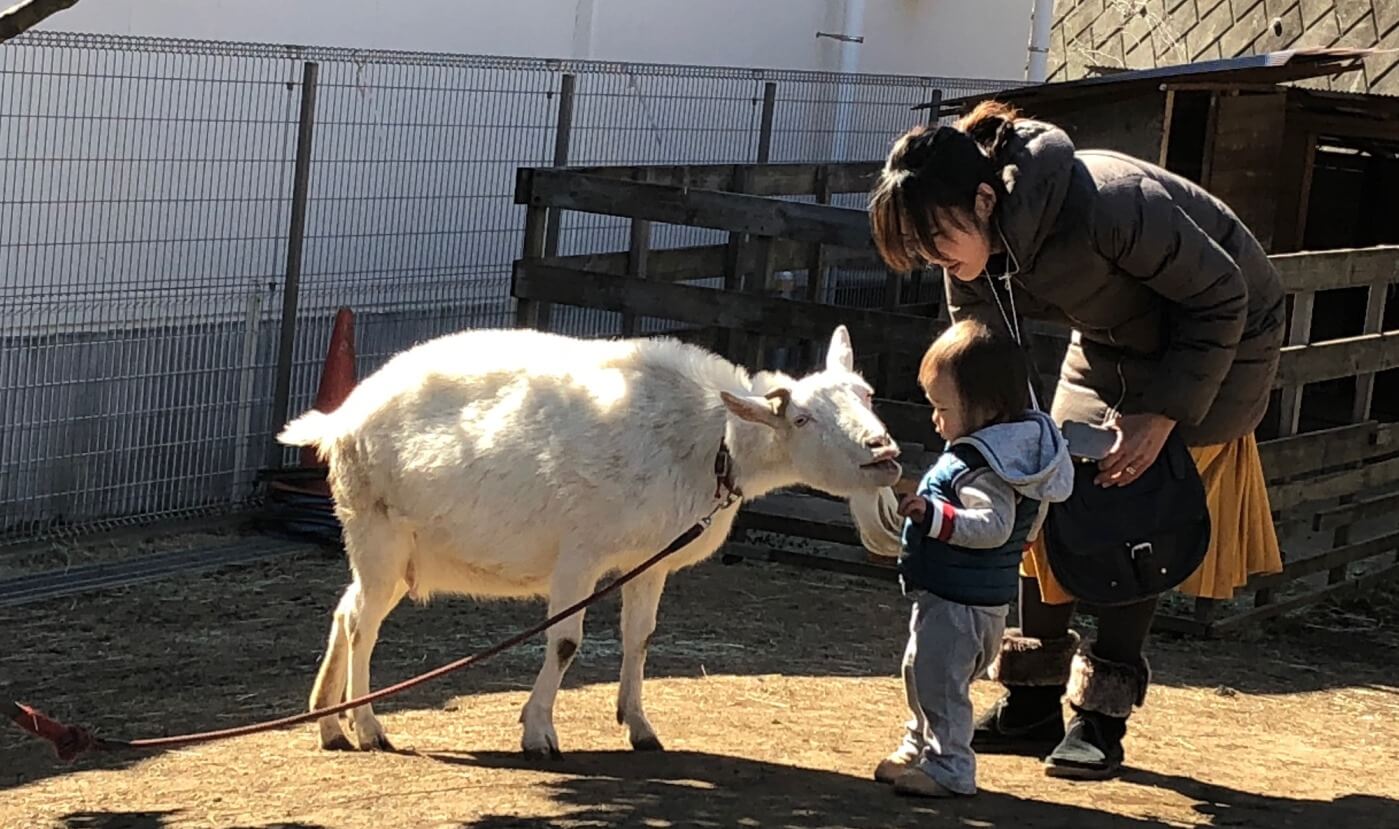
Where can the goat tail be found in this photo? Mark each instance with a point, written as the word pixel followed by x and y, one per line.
pixel 314 428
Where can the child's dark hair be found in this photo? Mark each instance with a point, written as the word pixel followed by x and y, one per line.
pixel 989 370
pixel 932 174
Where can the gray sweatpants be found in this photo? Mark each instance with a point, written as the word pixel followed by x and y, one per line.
pixel 949 646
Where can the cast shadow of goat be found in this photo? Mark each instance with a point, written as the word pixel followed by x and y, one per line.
pixel 697 789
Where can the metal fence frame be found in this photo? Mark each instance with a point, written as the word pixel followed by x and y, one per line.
pixel 182 219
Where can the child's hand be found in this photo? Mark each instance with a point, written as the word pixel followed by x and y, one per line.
pixel 914 508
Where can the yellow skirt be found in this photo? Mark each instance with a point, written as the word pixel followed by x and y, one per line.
pixel 1244 542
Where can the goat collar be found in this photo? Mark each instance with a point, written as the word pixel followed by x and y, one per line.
pixel 725 488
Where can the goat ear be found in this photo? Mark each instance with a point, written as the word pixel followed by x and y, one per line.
pixel 840 356
pixel 764 410
pixel 779 399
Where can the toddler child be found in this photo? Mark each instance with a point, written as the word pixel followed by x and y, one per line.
pixel 972 516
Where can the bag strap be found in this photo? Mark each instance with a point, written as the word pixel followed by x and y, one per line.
pixel 1012 321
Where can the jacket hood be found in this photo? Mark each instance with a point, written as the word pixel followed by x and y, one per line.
pixel 1039 160
pixel 1030 454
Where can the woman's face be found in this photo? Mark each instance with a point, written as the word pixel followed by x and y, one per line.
pixel 963 240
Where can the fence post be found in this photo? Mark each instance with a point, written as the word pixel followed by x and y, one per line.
pixel 296 237
pixel 1361 409
pixel 563 133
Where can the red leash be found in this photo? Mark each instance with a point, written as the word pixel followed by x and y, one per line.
pixel 70 741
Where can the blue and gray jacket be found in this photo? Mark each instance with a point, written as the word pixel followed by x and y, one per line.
pixel 988 495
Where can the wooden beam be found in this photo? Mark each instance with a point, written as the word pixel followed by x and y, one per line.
pixel 871 330
pixel 1334 269
pixel 1333 359
pixel 1288 457
pixel 1348 127
pixel 707 261
pixel 1348 554
pixel 1298 153
pixel 845 564
pixel 1333 485
pixel 782 179
pixel 1363 510
pixel 734 212
pixel 1251 617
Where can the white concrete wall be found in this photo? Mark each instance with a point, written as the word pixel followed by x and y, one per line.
pixel 952 38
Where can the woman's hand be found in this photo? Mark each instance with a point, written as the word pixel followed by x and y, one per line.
pixel 1139 441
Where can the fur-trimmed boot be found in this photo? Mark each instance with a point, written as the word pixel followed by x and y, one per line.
pixel 1030 717
pixel 1102 694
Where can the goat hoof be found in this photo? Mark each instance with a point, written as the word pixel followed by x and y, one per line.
pixel 338 743
pixel 380 743
pixel 647 744
pixel 539 754
pixel 547 750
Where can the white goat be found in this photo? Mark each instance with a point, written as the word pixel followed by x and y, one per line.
pixel 515 463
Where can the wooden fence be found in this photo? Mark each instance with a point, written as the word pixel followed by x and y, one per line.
pixel 1321 482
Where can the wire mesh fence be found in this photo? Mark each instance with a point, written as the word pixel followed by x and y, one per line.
pixel 147 199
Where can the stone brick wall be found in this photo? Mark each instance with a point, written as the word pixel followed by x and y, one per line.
pixel 1140 34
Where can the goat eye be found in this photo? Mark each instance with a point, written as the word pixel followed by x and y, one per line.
pixel 801 420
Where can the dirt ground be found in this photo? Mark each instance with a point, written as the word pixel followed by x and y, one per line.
pixel 774 690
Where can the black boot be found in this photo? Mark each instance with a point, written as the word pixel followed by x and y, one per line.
pixel 1102 695
pixel 1029 719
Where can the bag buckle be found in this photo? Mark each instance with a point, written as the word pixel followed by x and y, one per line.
pixel 1142 550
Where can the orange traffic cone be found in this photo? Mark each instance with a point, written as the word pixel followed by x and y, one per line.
pixel 338 375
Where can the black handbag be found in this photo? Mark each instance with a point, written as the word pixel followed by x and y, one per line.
pixel 1119 545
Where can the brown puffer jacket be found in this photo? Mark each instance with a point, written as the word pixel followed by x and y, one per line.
pixel 1174 306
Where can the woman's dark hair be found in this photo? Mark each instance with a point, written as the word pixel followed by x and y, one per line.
pixel 934 173
pixel 989 369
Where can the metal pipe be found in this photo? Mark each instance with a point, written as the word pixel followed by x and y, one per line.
pixel 296 237
pixel 1040 23
pixel 853 36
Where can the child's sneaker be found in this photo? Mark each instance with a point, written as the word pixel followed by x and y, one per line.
pixel 916 782
pixel 891 767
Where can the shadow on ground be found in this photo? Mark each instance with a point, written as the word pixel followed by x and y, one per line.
pixel 243 645
pixel 152 820
pixel 698 789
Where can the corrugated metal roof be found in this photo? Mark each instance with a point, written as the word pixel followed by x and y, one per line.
pixel 1267 68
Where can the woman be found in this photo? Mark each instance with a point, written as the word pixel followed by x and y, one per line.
pixel 1177 318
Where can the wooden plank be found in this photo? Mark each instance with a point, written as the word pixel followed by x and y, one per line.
pixel 528 313
pixel 1248 138
pixel 1374 323
pixel 1334 485
pixel 1303 454
pixel 1298 153
pixel 1334 269
pixel 1363 510
pixel 734 212
pixel 782 179
pixel 638 256
pixel 1299 332
pixel 800 516
pixel 908 421
pixel 1251 617
pixel 1360 409
pixel 847 565
pixel 1333 359
pixel 1349 554
pixel 1349 127
pixel 870 329
pixel 707 261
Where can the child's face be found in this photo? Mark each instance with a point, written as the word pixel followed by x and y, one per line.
pixel 949 415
